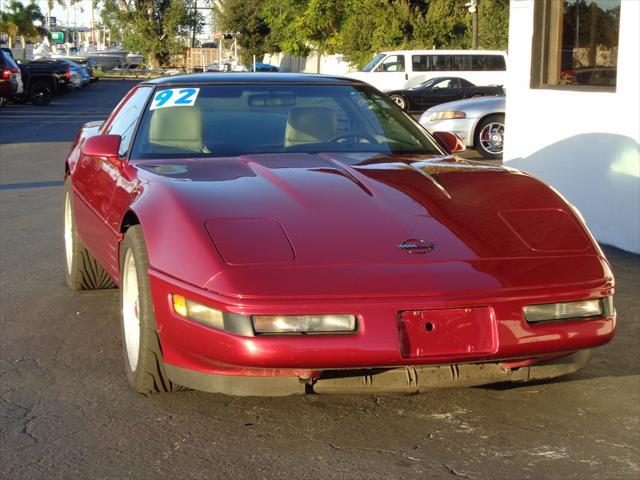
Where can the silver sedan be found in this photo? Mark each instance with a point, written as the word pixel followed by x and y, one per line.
pixel 479 122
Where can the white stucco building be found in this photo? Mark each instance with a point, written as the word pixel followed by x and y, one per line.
pixel 573 107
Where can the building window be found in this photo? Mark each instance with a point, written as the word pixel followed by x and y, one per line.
pixel 575 44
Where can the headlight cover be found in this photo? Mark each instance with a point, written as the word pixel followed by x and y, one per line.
pixel 584 309
pixel 210 317
pixel 447 115
pixel 261 324
pixel 274 324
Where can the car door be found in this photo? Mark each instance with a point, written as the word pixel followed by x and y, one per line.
pixel 95 180
pixel 447 90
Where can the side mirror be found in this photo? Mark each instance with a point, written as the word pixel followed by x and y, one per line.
pixel 103 146
pixel 449 141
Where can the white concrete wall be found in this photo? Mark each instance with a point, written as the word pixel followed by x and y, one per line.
pixel 585 144
pixel 329 64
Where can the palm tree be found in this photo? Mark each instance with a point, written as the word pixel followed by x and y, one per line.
pixel 18 19
pixel 50 5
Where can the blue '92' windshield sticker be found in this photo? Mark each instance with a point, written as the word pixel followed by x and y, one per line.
pixel 174 97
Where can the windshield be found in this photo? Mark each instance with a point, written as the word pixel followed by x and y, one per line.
pixel 232 120
pixel 428 83
pixel 372 63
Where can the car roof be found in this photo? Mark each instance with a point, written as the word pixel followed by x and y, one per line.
pixel 252 78
pixel 445 52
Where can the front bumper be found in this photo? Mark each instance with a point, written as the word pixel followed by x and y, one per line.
pixel 462 127
pixel 407 380
pixel 191 347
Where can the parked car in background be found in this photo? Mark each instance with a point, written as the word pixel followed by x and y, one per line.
pixel 440 90
pixel 479 122
pixel 398 70
pixel 335 247
pixel 89 64
pixel 10 78
pixel 79 75
pixel 264 67
pixel 43 79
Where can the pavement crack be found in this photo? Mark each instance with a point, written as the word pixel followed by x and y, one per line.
pixel 454 472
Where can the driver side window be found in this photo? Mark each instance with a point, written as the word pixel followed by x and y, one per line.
pixel 444 84
pixel 124 123
pixel 393 63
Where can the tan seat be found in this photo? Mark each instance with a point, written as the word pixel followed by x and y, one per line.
pixel 178 128
pixel 310 125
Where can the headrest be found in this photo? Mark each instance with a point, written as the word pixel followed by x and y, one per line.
pixel 177 127
pixel 310 125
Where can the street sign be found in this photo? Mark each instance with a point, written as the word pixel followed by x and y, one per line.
pixel 57 37
pixel 52 22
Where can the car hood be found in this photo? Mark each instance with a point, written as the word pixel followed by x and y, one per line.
pixel 479 104
pixel 351 218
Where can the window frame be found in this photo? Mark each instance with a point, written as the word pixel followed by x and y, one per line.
pixel 106 128
pixel 347 106
pixel 547 40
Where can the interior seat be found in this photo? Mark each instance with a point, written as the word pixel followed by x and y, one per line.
pixel 178 128
pixel 310 125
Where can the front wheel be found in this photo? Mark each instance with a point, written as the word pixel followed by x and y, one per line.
pixel 400 101
pixel 144 365
pixel 490 137
pixel 41 94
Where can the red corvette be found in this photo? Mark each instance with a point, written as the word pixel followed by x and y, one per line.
pixel 273 234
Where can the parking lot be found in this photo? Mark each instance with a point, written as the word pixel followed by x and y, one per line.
pixel 67 411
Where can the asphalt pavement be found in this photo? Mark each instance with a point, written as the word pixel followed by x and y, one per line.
pixel 66 411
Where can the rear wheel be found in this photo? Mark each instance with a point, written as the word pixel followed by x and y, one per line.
pixel 490 137
pixel 41 94
pixel 143 360
pixel 20 99
pixel 400 101
pixel 83 271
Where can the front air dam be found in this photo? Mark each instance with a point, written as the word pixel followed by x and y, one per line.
pixel 406 380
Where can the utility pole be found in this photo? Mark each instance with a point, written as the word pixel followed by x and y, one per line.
pixel 472 5
pixel 195 23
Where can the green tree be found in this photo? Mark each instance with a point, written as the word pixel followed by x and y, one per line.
pixel 449 24
pixel 155 28
pixel 246 17
pixel 389 25
pixel 360 28
pixel 493 24
pixel 286 22
pixel 18 19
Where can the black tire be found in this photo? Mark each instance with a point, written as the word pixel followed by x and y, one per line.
pixel 148 376
pixel 399 100
pixel 484 145
pixel 83 271
pixel 41 93
pixel 20 99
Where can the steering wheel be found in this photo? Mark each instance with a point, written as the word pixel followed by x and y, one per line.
pixel 354 135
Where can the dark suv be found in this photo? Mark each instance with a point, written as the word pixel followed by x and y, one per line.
pixel 42 79
pixel 10 77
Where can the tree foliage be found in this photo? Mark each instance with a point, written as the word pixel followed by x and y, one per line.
pixel 493 24
pixel 359 28
pixel 355 28
pixel 18 19
pixel 245 17
pixel 155 28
